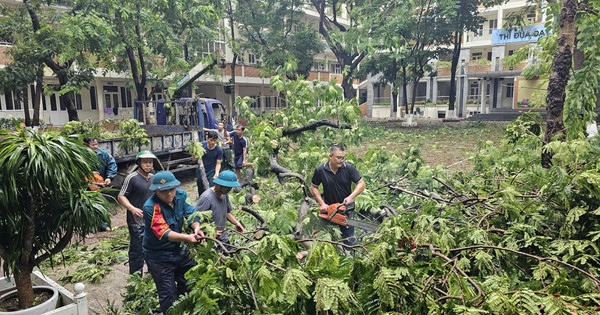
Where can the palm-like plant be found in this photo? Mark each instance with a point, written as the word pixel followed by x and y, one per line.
pixel 44 201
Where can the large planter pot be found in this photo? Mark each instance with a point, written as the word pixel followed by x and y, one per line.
pixel 42 308
pixel 66 303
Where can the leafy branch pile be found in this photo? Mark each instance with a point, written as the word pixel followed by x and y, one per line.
pixel 129 130
pixel 507 237
pixel 97 259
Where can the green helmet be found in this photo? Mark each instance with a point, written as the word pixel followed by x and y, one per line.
pixel 145 155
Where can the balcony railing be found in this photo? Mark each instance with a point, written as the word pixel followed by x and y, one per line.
pixel 484 34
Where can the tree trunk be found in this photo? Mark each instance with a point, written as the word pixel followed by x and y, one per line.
pixel 349 92
pixel 561 67
pixel 395 102
pixel 233 90
pixel 24 287
pixel 413 97
pixel 26 107
pixel 455 56
pixel 404 90
pixel 67 98
pixel 37 98
pixel 202 173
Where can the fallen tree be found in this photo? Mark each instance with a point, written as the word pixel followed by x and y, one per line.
pixel 506 237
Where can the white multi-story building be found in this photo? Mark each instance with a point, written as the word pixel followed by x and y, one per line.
pixel 111 95
pixel 483 82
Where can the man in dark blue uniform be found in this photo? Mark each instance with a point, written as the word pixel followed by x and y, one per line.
pixel 240 149
pixel 167 260
pixel 213 155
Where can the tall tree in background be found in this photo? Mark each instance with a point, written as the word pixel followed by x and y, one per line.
pixel 412 36
pixel 194 24
pixel 351 38
pixel 390 62
pixel 273 30
pixel 428 31
pixel 149 38
pixel 583 88
pixel 467 20
pixel 61 40
pixel 25 66
pixel 234 46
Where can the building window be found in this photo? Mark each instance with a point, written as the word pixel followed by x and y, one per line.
pixel 53 102
pixel 319 66
pixel 78 103
pixel 531 17
pixel 129 101
pixel 479 31
pixel 251 59
pixel 474 89
pixel 209 48
pixel 267 101
pixel 9 100
pixel 476 56
pixel 256 103
pixel 157 96
pixel 62 103
pixel 17 100
pixel 93 97
pixel 510 87
pixel 493 24
pixel 489 56
pixel 111 96
pixel 12 101
pixel 336 68
pixel 511 52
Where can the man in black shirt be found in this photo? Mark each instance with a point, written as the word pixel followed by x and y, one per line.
pixel 337 177
pixel 134 193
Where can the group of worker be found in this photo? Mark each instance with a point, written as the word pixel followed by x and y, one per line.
pixel 217 153
pixel 157 209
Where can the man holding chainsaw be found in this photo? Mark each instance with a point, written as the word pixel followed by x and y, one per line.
pixel 337 177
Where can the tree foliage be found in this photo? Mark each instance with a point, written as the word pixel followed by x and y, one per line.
pixel 506 237
pixel 276 32
pixel 60 39
pixel 149 40
pixel 44 201
pixel 350 29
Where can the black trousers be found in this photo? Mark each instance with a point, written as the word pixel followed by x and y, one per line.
pixel 168 274
pixel 136 253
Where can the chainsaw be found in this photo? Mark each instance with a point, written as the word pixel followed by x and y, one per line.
pixel 340 213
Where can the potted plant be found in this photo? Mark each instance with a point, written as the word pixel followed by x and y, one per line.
pixel 44 201
pixel 523 103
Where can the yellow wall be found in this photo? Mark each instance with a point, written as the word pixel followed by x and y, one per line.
pixel 532 90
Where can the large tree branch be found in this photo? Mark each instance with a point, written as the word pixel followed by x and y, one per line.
pixel 254 214
pixel 324 28
pixel 302 212
pixel 315 125
pixel 538 258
